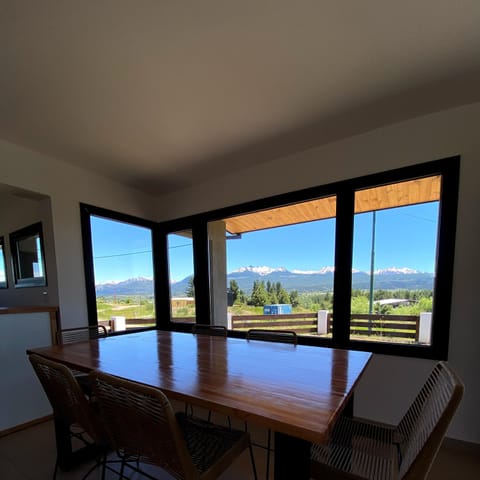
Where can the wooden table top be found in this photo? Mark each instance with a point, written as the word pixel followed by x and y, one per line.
pixel 296 390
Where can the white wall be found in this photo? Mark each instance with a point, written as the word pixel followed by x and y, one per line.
pixel 456 131
pixel 67 186
pixel 24 399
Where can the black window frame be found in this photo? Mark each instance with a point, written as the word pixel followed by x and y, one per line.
pixel 448 168
pixel 344 190
pixel 87 211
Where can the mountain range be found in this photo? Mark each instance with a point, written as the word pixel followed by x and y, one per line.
pixel 301 280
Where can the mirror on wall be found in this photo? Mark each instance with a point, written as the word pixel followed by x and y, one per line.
pixel 3 269
pixel 28 256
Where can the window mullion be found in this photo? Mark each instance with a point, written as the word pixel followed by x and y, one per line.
pixel 201 272
pixel 342 284
pixel 161 276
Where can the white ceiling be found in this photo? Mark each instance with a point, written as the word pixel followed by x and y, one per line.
pixel 163 94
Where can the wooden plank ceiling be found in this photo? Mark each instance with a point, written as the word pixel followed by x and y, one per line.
pixel 378 198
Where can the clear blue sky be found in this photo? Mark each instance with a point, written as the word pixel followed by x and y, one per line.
pixel 404 237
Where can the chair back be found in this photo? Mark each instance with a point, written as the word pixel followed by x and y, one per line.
pixel 214 330
pixel 423 427
pixel 66 397
pixel 141 423
pixel 281 336
pixel 80 334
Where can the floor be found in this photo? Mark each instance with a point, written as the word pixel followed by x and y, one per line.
pixel 30 455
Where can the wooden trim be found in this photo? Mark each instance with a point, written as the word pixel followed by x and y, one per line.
pixel 23 426
pixel 32 309
pixel 54 326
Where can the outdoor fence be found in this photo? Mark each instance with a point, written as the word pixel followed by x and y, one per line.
pixel 415 328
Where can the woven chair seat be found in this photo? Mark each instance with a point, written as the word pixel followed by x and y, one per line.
pixel 364 450
pixel 361 449
pixel 207 442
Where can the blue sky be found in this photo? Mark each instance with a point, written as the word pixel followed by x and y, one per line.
pixel 404 237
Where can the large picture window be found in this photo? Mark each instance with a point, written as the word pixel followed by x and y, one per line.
pixel 363 264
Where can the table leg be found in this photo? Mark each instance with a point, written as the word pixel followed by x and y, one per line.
pixel 67 457
pixel 292 458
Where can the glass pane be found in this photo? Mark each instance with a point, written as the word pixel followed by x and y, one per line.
pixel 394 262
pixel 279 268
pixel 123 270
pixel 180 266
pixel 3 271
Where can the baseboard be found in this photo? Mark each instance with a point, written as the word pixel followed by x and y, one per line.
pixel 23 426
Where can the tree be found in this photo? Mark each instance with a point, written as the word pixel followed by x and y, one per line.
pixel 283 296
pixel 190 290
pixel 259 295
pixel 235 289
pixel 294 300
pixel 272 297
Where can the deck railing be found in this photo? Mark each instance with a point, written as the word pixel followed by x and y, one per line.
pixel 395 326
pixel 406 327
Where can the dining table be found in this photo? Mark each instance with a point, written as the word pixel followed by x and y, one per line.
pixel 296 391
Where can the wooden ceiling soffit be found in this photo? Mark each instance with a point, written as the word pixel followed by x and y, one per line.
pixel 393 195
pixel 411 192
pixel 278 217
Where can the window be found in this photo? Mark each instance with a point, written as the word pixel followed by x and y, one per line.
pixel 394 261
pixel 181 278
pixel 379 268
pixel 28 257
pixel 363 264
pixel 279 268
pixel 121 270
pixel 3 270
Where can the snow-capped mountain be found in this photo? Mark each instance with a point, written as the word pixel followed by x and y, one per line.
pixel 404 270
pixel 131 286
pixel 261 270
pixel 302 280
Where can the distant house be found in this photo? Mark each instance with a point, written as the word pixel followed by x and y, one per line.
pixel 393 302
pixel 178 302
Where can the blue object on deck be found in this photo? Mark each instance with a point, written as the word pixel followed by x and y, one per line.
pixel 277 309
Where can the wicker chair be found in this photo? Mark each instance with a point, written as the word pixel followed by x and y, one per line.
pixel 212 330
pixel 143 427
pixel 280 336
pixel 359 449
pixel 71 410
pixel 81 334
